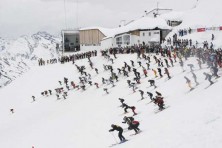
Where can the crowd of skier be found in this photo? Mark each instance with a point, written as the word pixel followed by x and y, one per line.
pixel 67 58
pixel 164 58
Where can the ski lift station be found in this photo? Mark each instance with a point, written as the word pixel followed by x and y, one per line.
pixel 152 28
pixel 145 30
pixel 70 40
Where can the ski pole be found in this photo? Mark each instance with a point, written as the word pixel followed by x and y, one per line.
pixel 114 137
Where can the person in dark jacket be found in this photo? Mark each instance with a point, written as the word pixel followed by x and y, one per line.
pixel 208 77
pixel 150 95
pixel 120 130
pixel 195 78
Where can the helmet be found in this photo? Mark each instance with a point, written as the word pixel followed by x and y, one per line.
pixel 112 125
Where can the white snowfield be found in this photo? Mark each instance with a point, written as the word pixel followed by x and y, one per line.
pixel 193 119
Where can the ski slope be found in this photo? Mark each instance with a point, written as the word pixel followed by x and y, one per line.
pixel 84 118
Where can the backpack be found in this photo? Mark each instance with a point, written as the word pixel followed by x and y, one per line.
pixel 135 122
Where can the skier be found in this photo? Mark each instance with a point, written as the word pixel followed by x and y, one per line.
pixel 129 68
pixel 155 73
pixel 132 63
pixel 103 81
pixel 64 95
pixel 145 72
pixel 122 101
pixel 66 80
pixel 159 101
pixel 50 92
pixel 120 130
pixel 182 64
pixel 132 124
pixel 150 95
pixel 152 83
pixel 141 93
pixel 111 60
pixel 167 73
pixel 171 62
pixel 89 76
pixel 195 78
pixel 188 82
pixel 191 66
pixel 12 111
pixel 57 95
pixel 138 75
pixel 106 90
pixel 73 85
pixel 159 71
pixel 129 83
pixel 137 80
pixel 158 93
pixel 96 70
pixel 33 98
pixel 133 86
pixel 208 77
pixel 167 64
pixel 199 63
pixel 133 108
pixel 214 70
pixel 119 70
pixel 140 64
pixel 97 85
pixel 148 66
pixel 90 83
pixel 125 106
pixel 83 87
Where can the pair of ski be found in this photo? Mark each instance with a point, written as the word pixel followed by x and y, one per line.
pixel 118 143
pixel 125 140
pixel 161 109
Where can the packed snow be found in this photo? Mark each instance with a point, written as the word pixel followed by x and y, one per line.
pixel 193 119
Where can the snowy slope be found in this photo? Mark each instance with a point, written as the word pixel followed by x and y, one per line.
pixel 84 118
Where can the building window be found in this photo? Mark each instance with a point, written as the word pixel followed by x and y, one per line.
pixel 126 39
pixel 143 33
pixel 119 40
pixel 149 33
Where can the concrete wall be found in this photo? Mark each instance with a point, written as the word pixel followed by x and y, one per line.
pixel 147 36
pixel 91 37
pixel 107 43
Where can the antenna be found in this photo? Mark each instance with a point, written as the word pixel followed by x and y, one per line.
pixel 157 8
pixel 65 12
pixel 77 9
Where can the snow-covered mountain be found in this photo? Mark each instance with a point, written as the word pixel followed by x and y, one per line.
pixel 17 55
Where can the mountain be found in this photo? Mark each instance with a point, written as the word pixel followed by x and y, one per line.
pixel 17 55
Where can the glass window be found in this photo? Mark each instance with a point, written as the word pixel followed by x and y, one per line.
pixel 149 33
pixel 119 40
pixel 126 39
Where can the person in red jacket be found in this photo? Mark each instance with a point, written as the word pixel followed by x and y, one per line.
pixel 145 72
pixel 167 72
pixel 159 101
